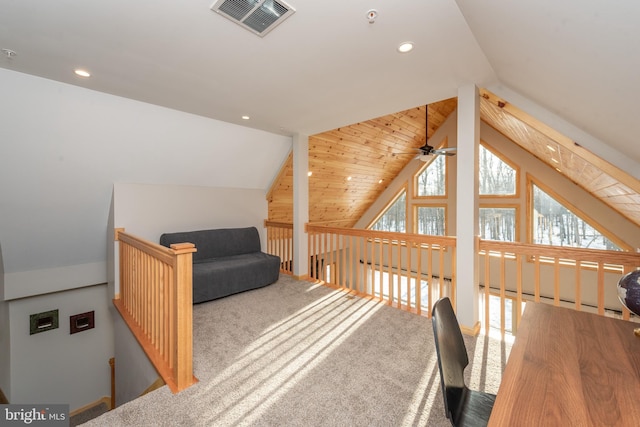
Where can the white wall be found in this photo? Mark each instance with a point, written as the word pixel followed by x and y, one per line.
pixel 64 146
pixel 5 337
pixel 55 366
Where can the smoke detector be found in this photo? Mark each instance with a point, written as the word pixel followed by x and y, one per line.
pixel 257 16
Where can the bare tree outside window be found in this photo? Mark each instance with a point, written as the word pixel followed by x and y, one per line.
pixel 431 220
pixel 554 224
pixel 432 182
pixel 495 176
pixel 394 218
pixel 498 224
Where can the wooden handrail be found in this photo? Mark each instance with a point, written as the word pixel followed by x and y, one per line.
pixel 358 260
pixel 561 275
pixel 408 271
pixel 155 301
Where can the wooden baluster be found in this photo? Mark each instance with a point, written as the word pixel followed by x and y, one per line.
pixel 536 278
pixel 419 279
pixel 381 268
pixel 454 283
pixel 399 276
pixel 441 249
pixel 601 288
pixel 356 265
pixel 430 285
pixel 390 271
pixel 578 285
pixel 518 291
pixel 556 281
pixel 487 290
pixel 409 274
pixel 502 292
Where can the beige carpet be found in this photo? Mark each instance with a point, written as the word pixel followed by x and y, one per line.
pixel 299 354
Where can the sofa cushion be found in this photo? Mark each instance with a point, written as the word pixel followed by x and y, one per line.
pixel 225 276
pixel 217 243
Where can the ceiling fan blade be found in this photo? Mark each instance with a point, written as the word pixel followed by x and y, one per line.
pixel 447 151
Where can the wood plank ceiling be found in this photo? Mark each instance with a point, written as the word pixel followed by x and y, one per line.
pixel 352 165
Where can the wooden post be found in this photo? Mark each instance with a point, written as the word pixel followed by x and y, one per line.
pixel 183 315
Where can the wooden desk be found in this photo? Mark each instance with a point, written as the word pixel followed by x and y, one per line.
pixel 570 368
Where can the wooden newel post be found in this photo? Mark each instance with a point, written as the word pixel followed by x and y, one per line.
pixel 182 356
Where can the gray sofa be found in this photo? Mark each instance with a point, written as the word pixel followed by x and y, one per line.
pixel 227 261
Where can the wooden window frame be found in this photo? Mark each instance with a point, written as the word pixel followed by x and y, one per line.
pixel 443 143
pixel 531 181
pixel 515 206
pixel 386 207
pixel 416 206
pixel 509 163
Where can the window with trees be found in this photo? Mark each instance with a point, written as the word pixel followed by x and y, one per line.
pixel 432 180
pixel 431 220
pixel 496 176
pixel 394 218
pixel 498 223
pixel 555 224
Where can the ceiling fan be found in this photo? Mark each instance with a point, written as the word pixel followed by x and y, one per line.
pixel 426 152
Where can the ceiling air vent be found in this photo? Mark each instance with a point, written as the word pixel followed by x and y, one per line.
pixel 257 16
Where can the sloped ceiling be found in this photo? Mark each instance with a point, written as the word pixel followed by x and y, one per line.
pixel 352 165
pixel 327 67
pixel 576 58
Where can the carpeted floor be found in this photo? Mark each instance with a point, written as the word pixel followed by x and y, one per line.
pixel 299 354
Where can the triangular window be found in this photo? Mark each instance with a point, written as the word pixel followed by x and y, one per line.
pixel 394 218
pixel 496 177
pixel 555 224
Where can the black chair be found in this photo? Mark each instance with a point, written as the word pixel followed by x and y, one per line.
pixel 463 407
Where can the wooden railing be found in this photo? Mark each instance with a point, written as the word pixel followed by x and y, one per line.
pixel 155 300
pixel 280 243
pixel 408 271
pixel 387 266
pixel 583 279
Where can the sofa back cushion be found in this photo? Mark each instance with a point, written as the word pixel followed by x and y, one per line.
pixel 216 243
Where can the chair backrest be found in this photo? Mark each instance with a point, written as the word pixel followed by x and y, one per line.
pixel 452 355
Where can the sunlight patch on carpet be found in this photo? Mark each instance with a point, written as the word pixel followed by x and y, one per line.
pixel 294 346
pixel 424 395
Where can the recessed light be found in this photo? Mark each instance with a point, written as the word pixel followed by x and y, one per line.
pixel 245 117
pixel 82 73
pixel 348 178
pixel 380 182
pixel 309 173
pixel 405 47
